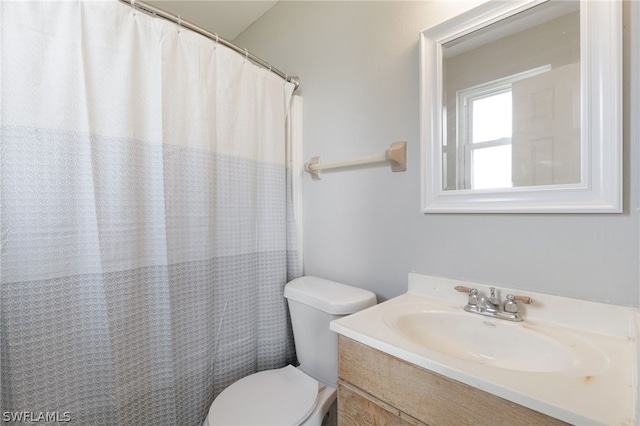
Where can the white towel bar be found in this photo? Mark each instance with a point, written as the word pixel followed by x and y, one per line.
pixel 396 155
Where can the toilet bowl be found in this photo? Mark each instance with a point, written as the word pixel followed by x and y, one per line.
pixel 303 395
pixel 285 396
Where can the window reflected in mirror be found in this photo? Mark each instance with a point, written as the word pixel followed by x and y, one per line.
pixel 512 101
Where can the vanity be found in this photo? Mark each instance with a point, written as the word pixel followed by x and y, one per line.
pixel 420 358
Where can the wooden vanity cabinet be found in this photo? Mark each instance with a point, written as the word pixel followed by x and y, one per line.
pixel 375 388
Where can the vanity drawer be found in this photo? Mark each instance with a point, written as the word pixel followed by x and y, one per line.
pixel 358 408
pixel 392 384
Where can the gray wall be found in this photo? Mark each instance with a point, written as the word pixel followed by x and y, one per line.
pixel 358 62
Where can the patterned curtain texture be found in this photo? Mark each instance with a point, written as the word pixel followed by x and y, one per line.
pixel 147 228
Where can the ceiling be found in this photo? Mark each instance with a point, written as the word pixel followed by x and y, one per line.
pixel 227 18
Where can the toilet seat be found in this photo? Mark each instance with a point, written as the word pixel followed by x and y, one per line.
pixel 284 396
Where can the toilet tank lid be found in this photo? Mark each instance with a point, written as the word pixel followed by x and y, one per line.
pixel 329 296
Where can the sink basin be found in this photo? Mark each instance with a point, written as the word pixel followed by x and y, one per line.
pixel 498 343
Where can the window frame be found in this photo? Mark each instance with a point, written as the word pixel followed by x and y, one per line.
pixel 464 142
pixel 464 121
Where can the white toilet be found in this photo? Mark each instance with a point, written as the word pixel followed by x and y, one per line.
pixel 302 395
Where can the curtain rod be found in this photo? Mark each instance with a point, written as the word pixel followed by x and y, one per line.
pixel 156 11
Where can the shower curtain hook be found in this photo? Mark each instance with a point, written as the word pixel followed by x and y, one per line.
pixel 133 6
pixel 246 55
pixel 179 23
pixel 217 40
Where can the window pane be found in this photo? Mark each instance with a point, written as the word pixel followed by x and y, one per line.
pixel 491 167
pixel 492 117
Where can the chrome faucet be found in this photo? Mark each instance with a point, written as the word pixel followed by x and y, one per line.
pixel 491 306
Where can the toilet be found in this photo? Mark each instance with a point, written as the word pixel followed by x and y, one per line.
pixel 303 395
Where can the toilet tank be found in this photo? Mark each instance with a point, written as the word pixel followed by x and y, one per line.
pixel 313 303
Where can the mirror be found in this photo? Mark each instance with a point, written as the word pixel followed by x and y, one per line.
pixel 521 109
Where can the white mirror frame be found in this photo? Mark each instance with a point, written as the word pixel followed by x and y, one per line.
pixel 600 189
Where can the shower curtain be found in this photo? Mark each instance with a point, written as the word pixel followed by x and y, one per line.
pixel 147 226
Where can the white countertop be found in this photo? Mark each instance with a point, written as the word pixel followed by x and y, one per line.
pixel 607 396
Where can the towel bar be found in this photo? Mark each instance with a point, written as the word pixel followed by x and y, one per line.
pixel 396 155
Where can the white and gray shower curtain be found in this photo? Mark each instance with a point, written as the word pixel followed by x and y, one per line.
pixel 147 227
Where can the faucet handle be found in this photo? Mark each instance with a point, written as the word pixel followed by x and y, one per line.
pixel 510 305
pixel 524 299
pixel 473 293
pixel 473 296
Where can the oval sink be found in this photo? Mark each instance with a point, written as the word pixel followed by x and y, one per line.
pixel 498 343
